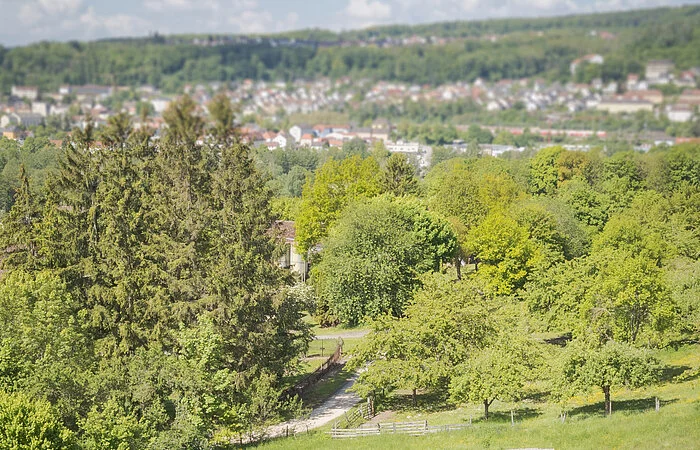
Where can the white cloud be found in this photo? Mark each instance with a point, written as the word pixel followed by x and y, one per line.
pixel 35 11
pixel 53 7
pixel 258 21
pixel 115 25
pixel 213 6
pixel 372 10
pixel 182 5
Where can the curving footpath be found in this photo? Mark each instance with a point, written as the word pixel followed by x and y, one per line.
pixel 337 405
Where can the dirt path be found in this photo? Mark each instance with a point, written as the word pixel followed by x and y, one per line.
pixel 333 408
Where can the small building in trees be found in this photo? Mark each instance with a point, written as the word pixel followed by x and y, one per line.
pixel 291 258
pixel 590 59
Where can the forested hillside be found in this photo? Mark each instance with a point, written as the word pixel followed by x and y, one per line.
pixel 523 48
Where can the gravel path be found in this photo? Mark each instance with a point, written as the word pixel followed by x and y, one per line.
pixel 333 408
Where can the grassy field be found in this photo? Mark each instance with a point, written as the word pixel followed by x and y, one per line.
pixel 320 331
pixel 634 423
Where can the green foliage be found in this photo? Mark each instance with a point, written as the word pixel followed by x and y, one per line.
pixel 45 350
pixel 498 371
pixel 399 177
pixel 142 297
pixel 28 424
pixel 171 62
pixel 335 185
pixel 543 171
pixel 610 365
pixel 504 252
pixel 374 254
pixel 683 279
pixel 445 323
pixel 39 158
pixel 628 296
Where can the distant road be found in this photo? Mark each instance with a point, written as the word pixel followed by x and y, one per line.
pixel 345 335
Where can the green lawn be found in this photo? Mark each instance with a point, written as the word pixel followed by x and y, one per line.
pixel 634 423
pixel 325 331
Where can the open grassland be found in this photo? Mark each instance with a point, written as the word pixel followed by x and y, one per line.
pixel 634 423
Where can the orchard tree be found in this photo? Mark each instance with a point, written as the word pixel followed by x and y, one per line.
pixel 444 324
pixel 464 191
pixel 627 297
pixel 498 371
pixel 606 367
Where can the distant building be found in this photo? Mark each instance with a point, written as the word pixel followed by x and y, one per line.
pixel 160 105
pixel 652 95
pixel 10 133
pixel 297 131
pixel 680 113
pixel 40 108
pixel 622 104
pixel 28 92
pixel 282 139
pixel 291 259
pixel 690 97
pixel 659 69
pixel 91 92
pixel 21 119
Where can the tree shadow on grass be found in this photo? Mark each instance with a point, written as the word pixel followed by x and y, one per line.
pixel 540 396
pixel 638 405
pixel 669 373
pixel 519 414
pixel 426 402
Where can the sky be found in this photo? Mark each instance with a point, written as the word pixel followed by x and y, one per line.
pixel 26 21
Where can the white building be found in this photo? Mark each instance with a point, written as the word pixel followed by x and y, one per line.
pixel 659 69
pixel 40 108
pixel 28 92
pixel 297 131
pixel 680 113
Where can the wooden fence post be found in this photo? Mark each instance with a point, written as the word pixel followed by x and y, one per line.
pixel 658 404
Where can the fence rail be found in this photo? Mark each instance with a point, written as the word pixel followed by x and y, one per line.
pixel 412 428
pixel 329 364
pixel 361 412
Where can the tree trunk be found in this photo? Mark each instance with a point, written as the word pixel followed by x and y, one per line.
pixel 415 399
pixel 608 405
pixel 486 409
pixel 458 266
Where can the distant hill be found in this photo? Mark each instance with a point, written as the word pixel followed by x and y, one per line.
pixel 424 54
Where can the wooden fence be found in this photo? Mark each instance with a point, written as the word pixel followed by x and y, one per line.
pixel 355 415
pixel 411 428
pixel 329 364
